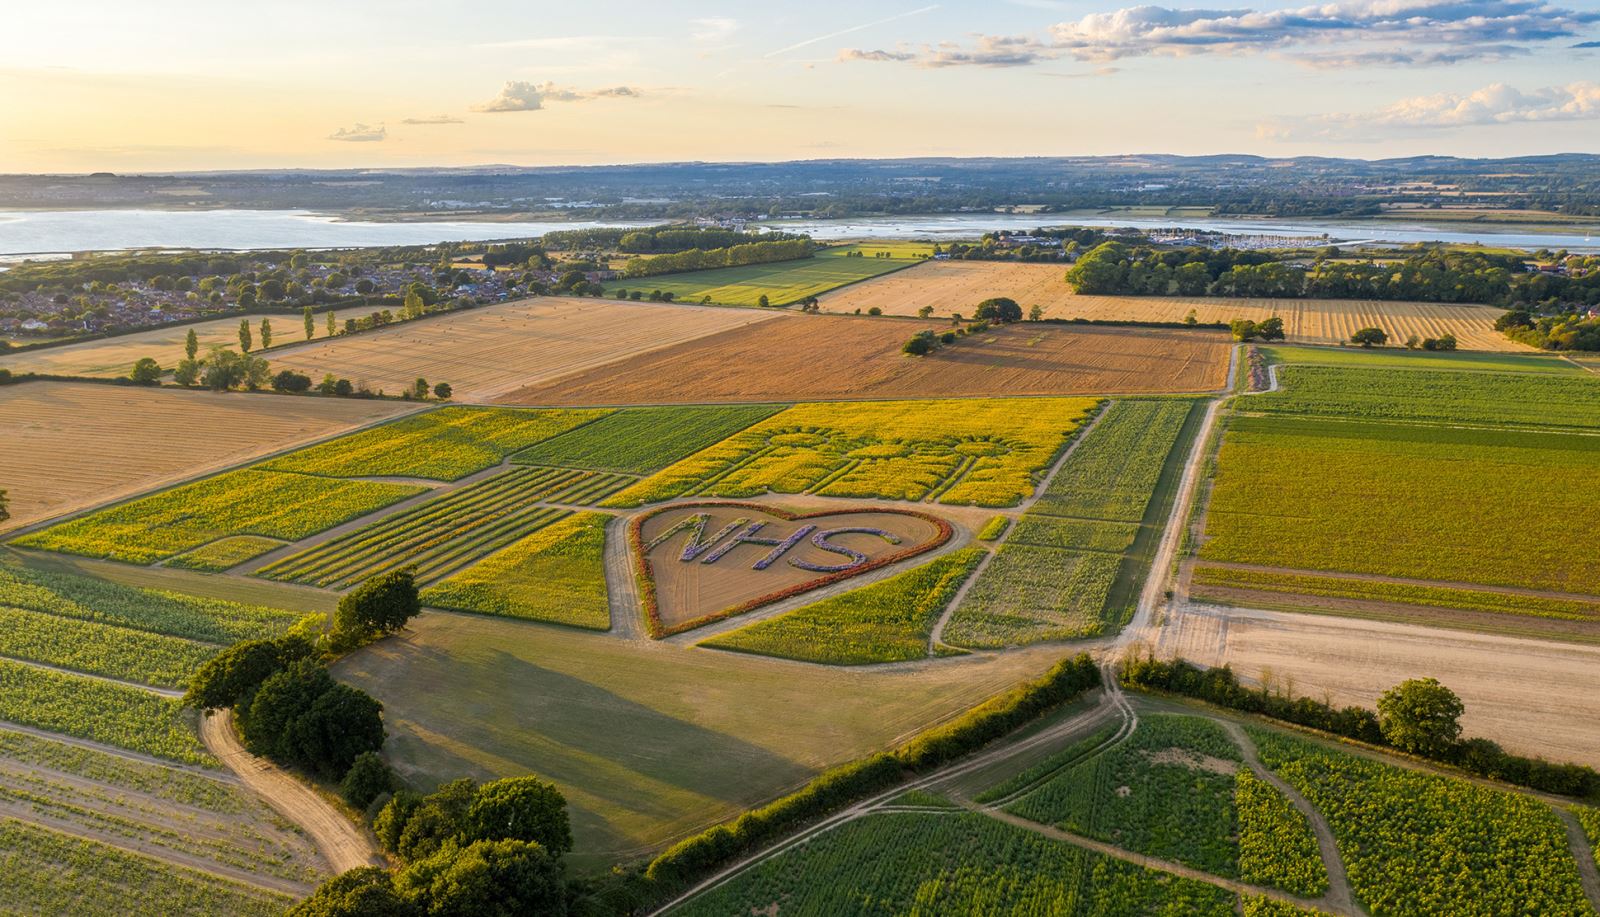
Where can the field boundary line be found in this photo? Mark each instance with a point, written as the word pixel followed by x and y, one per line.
pixel 220 776
pixel 1355 576
pixel 172 693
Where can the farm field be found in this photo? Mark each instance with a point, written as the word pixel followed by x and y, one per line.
pixel 1396 358
pixel 556 574
pixel 821 357
pixel 58 436
pixel 988 453
pixel 115 356
pixel 492 350
pixel 889 621
pixel 958 286
pixel 782 282
pixel 1373 393
pixel 1071 565
pixel 1456 509
pixel 642 440
pixel 1423 844
pixel 959 863
pixel 693 737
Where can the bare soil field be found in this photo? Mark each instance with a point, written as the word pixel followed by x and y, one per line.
pixel 112 357
pixel 821 357
pixel 489 351
pixel 1529 695
pixel 697 575
pixel 71 445
pixel 958 286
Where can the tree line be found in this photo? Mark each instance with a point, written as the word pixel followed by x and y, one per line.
pixel 696 259
pixel 668 238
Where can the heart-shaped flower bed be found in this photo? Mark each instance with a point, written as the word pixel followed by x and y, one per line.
pixel 702 562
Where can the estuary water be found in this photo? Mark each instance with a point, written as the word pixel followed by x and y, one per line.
pixel 45 232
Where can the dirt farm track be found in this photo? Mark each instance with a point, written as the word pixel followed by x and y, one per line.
pixel 958 286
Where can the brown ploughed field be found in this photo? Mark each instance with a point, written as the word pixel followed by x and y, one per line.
pixel 958 286
pixel 71 445
pixel 824 357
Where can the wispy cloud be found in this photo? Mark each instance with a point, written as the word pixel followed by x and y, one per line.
pixel 855 28
pixel 1496 103
pixel 519 95
pixel 360 133
pixel 433 119
pixel 1348 33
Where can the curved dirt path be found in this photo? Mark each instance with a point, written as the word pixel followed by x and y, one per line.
pixel 1340 896
pixel 341 843
pixel 1588 873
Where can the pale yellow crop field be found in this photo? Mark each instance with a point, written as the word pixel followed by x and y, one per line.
pixel 495 349
pixel 71 445
pixel 958 286
pixel 115 356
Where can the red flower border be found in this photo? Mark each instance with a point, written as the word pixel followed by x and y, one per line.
pixel 644 575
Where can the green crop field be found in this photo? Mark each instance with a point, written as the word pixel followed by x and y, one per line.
pixel 1460 361
pixel 449 532
pixel 1276 846
pixel 782 282
pixel 1166 791
pixel 556 574
pixel 46 872
pixel 1422 502
pixel 1419 844
pixel 889 621
pixel 441 445
pixel 100 649
pixel 1521 398
pixel 226 553
pixel 1072 564
pixel 247 502
pixel 100 711
pixel 956 863
pixel 642 440
pixel 986 452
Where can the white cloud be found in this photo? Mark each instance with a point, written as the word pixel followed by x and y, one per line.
pixel 360 133
pixel 987 51
pixel 433 119
pixel 519 95
pixel 1496 103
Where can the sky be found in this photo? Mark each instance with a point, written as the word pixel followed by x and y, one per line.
pixel 175 85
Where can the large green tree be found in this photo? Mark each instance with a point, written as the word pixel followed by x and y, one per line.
pixel 1421 716
pixel 365 891
pixel 521 808
pixel 381 605
pixel 486 879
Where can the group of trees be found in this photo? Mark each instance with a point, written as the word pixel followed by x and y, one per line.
pixel 1418 716
pixel 1430 275
pixel 696 259
pixel 1268 329
pixel 657 239
pixel 1562 331
pixel 465 850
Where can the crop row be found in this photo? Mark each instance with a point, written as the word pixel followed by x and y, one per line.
pixel 100 649
pixel 442 445
pixel 1412 501
pixel 1420 844
pixel 1423 395
pixel 100 711
pixel 225 553
pixel 159 782
pixel 1166 791
pixel 157 611
pixel 642 440
pixel 1028 594
pixel 1112 473
pixel 555 574
pixel 443 533
pixel 50 873
pixel 987 452
pixel 888 621
pixel 1073 534
pixel 1276 846
pixel 247 502
pixel 951 863
pixel 1403 593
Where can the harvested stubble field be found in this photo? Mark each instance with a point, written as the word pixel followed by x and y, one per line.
pixel 71 445
pixel 492 350
pixel 115 356
pixel 691 737
pixel 782 282
pixel 810 357
pixel 958 286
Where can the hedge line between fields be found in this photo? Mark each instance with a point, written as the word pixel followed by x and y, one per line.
pixel 720 845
